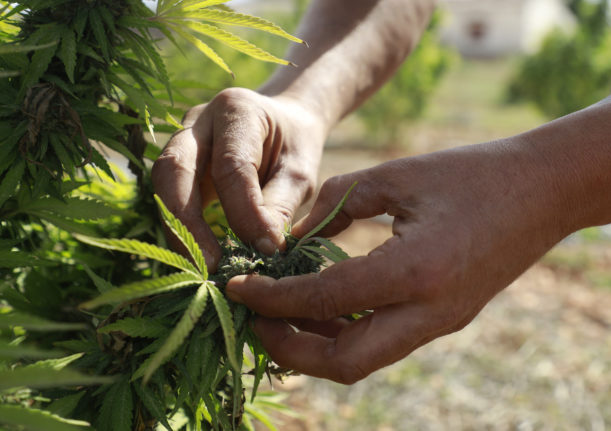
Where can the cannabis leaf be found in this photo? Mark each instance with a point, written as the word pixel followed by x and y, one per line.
pixel 189 276
pixel 185 17
pixel 327 219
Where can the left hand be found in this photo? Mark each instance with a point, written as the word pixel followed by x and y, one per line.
pixel 467 222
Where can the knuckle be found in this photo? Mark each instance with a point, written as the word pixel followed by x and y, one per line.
pixel 233 96
pixel 227 169
pixel 348 371
pixel 172 158
pixel 321 304
pixel 304 182
pixel 331 187
pixel 192 114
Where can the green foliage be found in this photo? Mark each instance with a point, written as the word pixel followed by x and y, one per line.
pixel 137 347
pixel 404 98
pixel 571 70
pixel 78 78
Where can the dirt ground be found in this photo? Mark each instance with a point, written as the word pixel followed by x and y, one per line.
pixel 538 357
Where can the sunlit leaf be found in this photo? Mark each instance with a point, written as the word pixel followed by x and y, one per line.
pixel 205 49
pixel 140 289
pixel 143 249
pixel 185 237
pixel 232 41
pixel 45 378
pixel 136 327
pixel 37 420
pixel 224 314
pixel 327 219
pixel 244 20
pixel 181 331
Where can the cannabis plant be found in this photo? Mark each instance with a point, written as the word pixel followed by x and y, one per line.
pixel 165 349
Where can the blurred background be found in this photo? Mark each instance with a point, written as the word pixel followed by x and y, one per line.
pixel 539 355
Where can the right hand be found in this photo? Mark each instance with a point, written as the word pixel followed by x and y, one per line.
pixel 259 155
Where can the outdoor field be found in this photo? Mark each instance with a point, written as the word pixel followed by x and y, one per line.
pixel 538 357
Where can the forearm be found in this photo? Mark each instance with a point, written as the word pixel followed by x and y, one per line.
pixel 573 157
pixel 354 47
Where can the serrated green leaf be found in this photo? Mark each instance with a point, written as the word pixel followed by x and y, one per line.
pixel 38 66
pixel 145 47
pixel 95 21
pixel 65 406
pixel 311 256
pixel 260 365
pixel 181 331
pixel 327 219
pixel 67 52
pixel 153 404
pixel 80 22
pixel 322 252
pixel 15 48
pixel 9 73
pixel 143 249
pixel 35 323
pixel 187 6
pixel 72 207
pixel 100 161
pixel 217 412
pixel 117 408
pixel 54 364
pixel 8 351
pixel 40 378
pixel 62 154
pixel 232 41
pixel 243 20
pixel 198 347
pixel 69 225
pixel 334 248
pixel 18 259
pixel 260 416
pixel 205 49
pixel 185 237
pixel 136 327
pixel 224 315
pixel 101 284
pixel 37 420
pixel 10 181
pixel 140 289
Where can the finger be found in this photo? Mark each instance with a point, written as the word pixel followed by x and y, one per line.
pixel 330 328
pixel 236 161
pixel 347 287
pixel 362 347
pixel 176 180
pixel 364 201
pixel 286 190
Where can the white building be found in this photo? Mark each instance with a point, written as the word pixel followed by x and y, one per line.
pixel 489 28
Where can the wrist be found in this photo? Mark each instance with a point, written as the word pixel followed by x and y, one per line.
pixel 573 158
pixel 303 116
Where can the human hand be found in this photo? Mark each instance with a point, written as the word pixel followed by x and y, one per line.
pixel 467 222
pixel 259 155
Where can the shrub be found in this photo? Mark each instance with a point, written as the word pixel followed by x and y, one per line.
pixel 164 349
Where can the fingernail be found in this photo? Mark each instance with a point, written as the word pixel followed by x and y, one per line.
pixel 233 295
pixel 233 292
pixel 265 245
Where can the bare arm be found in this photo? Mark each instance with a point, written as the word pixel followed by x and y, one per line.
pixel 468 221
pixel 355 47
pixel 259 151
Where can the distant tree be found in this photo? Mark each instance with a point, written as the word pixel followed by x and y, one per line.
pixel 404 98
pixel 570 71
